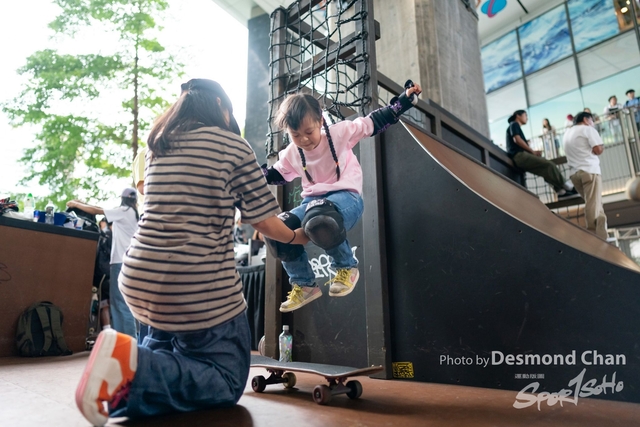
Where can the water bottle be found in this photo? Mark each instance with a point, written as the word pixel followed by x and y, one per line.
pixel 29 207
pixel 48 216
pixel 286 344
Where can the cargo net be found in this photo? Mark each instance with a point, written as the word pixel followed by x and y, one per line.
pixel 316 50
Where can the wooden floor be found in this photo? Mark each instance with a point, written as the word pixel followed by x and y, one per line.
pixel 40 392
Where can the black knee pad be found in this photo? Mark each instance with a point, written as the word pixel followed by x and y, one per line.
pixel 323 224
pixel 284 251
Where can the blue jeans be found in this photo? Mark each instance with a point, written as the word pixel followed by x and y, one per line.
pixel 186 371
pixel 350 205
pixel 121 317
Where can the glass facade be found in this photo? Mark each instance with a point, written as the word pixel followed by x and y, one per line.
pixel 574 56
pixel 545 40
pixel 501 62
pixel 592 21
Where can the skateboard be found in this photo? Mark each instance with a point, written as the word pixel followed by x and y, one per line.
pixel 283 373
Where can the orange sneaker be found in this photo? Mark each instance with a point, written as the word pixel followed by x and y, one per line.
pixel 107 376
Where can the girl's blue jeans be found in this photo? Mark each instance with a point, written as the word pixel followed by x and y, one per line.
pixel 350 205
pixel 186 371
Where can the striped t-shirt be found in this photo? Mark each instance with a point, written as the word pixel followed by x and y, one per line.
pixel 179 273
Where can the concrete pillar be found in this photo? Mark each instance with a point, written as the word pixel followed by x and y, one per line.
pixel 440 48
pixel 258 76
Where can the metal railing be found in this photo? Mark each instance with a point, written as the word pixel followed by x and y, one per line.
pixel 619 162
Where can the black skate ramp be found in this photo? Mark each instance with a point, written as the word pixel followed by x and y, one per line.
pixel 489 288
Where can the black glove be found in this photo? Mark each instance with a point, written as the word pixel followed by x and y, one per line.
pixel 273 176
pixel 386 116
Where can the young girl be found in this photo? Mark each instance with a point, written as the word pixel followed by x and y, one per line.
pixel 178 276
pixel 331 187
pixel 125 223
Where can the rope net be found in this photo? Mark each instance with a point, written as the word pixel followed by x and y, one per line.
pixel 316 47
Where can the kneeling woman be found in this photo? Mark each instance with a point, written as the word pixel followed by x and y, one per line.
pixel 179 275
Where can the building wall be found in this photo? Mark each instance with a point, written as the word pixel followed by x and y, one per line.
pixel 258 76
pixel 439 46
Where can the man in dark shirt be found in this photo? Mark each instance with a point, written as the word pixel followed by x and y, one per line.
pixel 634 104
pixel 532 161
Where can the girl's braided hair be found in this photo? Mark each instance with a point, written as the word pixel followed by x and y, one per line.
pixel 292 113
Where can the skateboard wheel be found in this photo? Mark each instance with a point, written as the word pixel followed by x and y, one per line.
pixel 289 380
pixel 261 346
pixel 258 383
pixel 94 289
pixel 321 394
pixel 356 389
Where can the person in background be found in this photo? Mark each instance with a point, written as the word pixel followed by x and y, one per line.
pixel 569 122
pixel 549 135
pixel 138 176
pixel 612 122
pixel 138 168
pixel 596 119
pixel 125 223
pixel 613 107
pixel 532 161
pixel 583 146
pixel 633 103
pixel 238 232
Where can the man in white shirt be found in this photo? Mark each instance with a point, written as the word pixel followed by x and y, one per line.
pixel 613 107
pixel 582 146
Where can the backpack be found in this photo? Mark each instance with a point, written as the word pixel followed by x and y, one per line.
pixel 39 331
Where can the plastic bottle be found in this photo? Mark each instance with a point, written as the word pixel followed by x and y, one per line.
pixel 48 218
pixel 29 207
pixel 286 344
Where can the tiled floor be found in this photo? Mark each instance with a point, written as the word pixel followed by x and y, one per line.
pixel 40 392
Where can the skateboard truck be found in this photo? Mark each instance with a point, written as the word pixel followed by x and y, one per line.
pixel 322 394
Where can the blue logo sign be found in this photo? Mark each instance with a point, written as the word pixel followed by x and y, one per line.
pixel 492 7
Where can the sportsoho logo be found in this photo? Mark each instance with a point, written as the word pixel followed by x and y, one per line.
pixel 576 387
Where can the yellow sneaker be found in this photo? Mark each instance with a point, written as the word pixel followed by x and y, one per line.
pixel 344 282
pixel 300 296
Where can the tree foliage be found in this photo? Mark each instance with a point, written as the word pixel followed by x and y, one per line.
pixel 81 141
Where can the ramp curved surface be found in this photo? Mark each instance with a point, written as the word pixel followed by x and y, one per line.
pixel 478 267
pixel 522 205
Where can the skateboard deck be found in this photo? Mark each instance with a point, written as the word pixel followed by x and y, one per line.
pixel 283 373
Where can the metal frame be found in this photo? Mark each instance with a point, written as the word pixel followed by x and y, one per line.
pixel 373 219
pixel 273 266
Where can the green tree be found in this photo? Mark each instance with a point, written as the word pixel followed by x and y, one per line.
pixel 79 149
